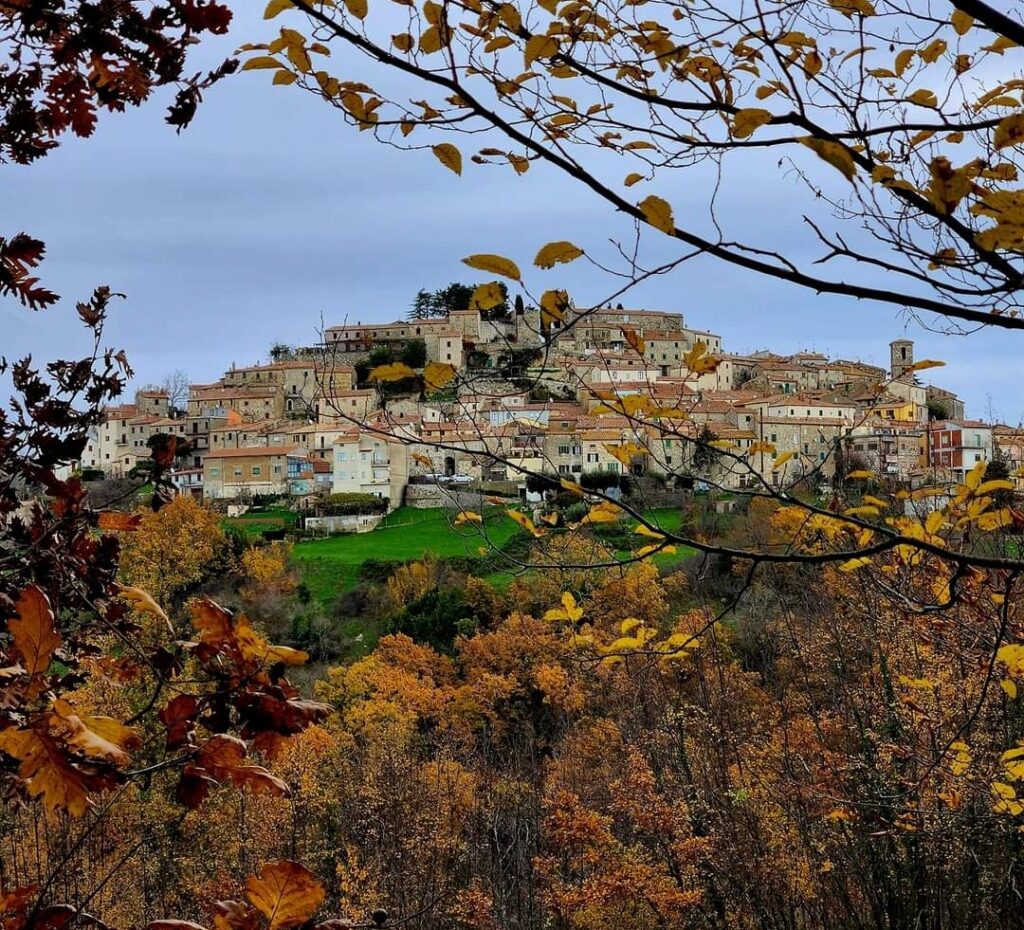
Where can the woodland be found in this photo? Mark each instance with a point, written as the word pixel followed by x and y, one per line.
pixel 814 721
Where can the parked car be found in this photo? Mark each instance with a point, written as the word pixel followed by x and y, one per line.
pixel 457 479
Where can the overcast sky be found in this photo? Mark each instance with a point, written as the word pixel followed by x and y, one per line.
pixel 269 214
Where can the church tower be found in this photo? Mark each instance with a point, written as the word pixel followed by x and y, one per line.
pixel 901 357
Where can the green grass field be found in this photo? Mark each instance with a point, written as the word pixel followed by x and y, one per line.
pixel 330 566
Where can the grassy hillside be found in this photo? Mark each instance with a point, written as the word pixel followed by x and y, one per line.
pixel 329 566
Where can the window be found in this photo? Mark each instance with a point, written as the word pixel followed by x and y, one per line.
pixel 563 469
pixel 257 470
pixel 214 472
pixel 576 450
pixel 563 450
pixel 341 455
pixel 773 437
pixel 238 472
pixel 576 469
pixel 591 456
pixel 612 467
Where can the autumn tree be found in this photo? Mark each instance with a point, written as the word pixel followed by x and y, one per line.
pixel 172 550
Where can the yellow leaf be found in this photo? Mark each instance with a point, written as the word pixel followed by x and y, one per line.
pixel 275 7
pixel 974 476
pixel 497 43
pixel 746 121
pixel 1003 790
pixel 467 516
pixel 285 77
pixel 931 52
pixel 997 484
pixel 925 364
pixel 996 520
pixel 1010 687
pixel 924 98
pixel 849 7
pixel 644 551
pixel 557 252
pixel 570 611
pixel 605 512
pixel 449 156
pixel 698 361
pixel 861 512
pixel 494 264
pixel 395 371
pixel 1010 131
pixel 642 530
pixel 962 22
pixel 524 521
pixel 142 601
pixel 837 155
pixel 1001 44
pixel 658 213
pixel 851 565
pixel 781 460
pixel 358 8
pixel 510 17
pixel 903 60
pixel 572 486
pixel 430 41
pixel 633 178
pixel 260 62
pixel 634 341
pixel 860 474
pixel 539 46
pixel 553 305
pixel 96 737
pixel 437 374
pixel 487 296
pixel 403 41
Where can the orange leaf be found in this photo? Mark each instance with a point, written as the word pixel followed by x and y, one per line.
pixel 117 522
pixel 33 632
pixel 284 892
pixel 48 773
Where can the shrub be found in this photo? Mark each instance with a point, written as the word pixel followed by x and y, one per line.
pixel 352 503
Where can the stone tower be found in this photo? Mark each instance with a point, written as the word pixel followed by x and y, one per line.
pixel 901 357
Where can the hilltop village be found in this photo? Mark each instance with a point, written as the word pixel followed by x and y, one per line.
pixel 525 395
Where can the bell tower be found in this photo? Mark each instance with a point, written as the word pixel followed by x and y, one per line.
pixel 901 357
